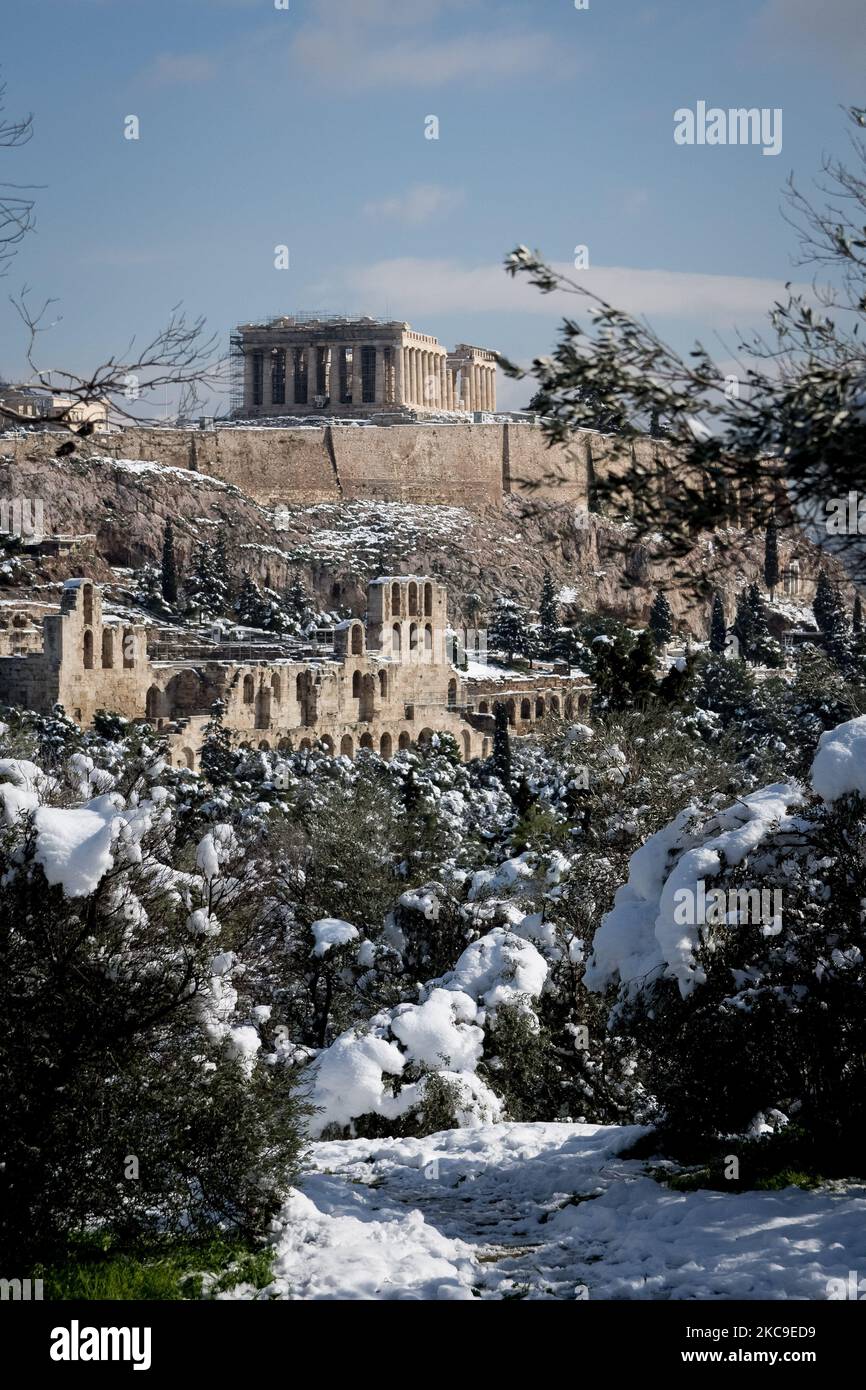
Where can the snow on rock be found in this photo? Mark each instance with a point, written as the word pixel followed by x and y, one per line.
pixel 839 766
pixel 639 936
pixel 331 931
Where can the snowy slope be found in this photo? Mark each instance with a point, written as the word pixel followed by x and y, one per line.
pixel 547 1211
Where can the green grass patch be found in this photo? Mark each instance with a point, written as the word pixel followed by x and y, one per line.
pixel 790 1157
pixel 171 1270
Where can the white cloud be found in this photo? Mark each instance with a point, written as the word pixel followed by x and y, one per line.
pixel 419 204
pixel 444 286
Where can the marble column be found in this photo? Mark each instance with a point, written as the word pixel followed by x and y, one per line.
pixel 336 360
pixel 357 394
pixel 443 382
pixel 398 373
pixel 312 358
pixel 416 376
pixel 379 376
pixel 267 362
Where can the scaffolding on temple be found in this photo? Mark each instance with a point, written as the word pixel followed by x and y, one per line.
pixel 236 375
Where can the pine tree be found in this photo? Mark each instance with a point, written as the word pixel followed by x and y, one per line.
pixel 743 626
pixel 205 589
pixel 837 633
pixel 548 615
pixel 857 620
pixel 639 687
pixel 718 627
pixel 217 760
pixel 752 630
pixel 509 629
pixel 221 591
pixel 250 608
pixel 168 574
pixel 661 620
pixel 771 555
pixel 502 745
pixel 300 609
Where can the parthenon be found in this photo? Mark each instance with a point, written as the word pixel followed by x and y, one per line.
pixel 301 365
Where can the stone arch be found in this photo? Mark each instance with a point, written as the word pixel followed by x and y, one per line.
pixel 305 745
pixel 328 744
pixel 87 604
pixel 276 689
pixel 284 745
pixel 485 748
pixel 107 648
pixel 189 758
pixel 569 706
pixel 356 685
pixel 347 747
pixel 383 684
pixel 396 640
pixel 305 688
pixel 368 693
pixel 525 709
pixel 428 600
pixel 467 746
pixel 425 736
pixel 128 649
pixel 539 707
pixel 88 650
pixel 386 746
pixel 554 705
pixel 428 641
pixel 404 741
pixel 413 639
pixel 452 694
pixel 395 601
pixel 152 702
pixel 357 640
pixel 484 707
pixel 264 746
pixel 185 693
pixel 412 596
pixel 249 690
pixel 510 708
pixel 367 741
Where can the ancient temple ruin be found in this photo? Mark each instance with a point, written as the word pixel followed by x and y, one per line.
pixel 297 365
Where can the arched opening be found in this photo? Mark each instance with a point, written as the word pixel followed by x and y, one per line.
pixel 305 745
pixel 152 702
pixel 264 746
pixel 510 709
pixel 347 747
pixel 525 709
pixel 452 694
pixel 306 691
pixel 383 684
pixel 539 707
pixel 404 741
pixel 87 604
pixel 368 691
pixel 357 640
pixel 554 704
pixel 356 686
pixel 396 640
pixel 248 690
pixel 276 689
pixel 413 639
pixel 413 600
pixel 284 745
pixel 189 758
pixel 88 650
pixel 328 745
pixel 299 689
pixel 385 746
pixel 128 649
pixel 569 706
pixel 428 600
pixel 366 740
pixel 467 747
pixel 107 649
pixel 425 736
pixel 484 707
pixel 485 748
pixel 395 601
pixel 428 642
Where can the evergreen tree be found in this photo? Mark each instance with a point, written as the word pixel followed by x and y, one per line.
pixel 168 574
pixel 250 607
pixel 639 686
pixel 752 629
pixel 502 745
pixel 509 629
pixel 205 588
pixel 221 580
pixel 822 602
pixel 857 621
pixel 743 626
pixel 548 615
pixel 837 632
pixel 217 759
pixel 300 609
pixel 718 627
pixel 771 555
pixel 661 620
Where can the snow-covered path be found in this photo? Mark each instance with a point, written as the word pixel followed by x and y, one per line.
pixel 548 1211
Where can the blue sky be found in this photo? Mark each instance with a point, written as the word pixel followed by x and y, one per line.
pixel 305 126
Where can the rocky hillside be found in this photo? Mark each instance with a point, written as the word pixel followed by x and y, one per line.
pixel 336 548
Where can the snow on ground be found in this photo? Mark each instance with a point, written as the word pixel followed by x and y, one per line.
pixel 547 1211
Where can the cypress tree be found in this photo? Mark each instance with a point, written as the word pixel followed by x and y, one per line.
pixel 718 627
pixel 502 745
pixel 771 555
pixel 168 575
pixel 217 759
pixel 509 629
pixel 661 619
pixel 822 604
pixel 548 615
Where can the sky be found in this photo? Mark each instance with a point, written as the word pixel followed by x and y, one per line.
pixel 304 123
